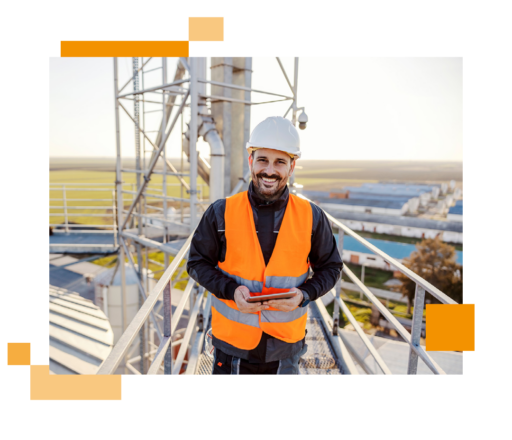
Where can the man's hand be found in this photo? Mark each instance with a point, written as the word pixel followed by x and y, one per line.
pixel 241 294
pixel 287 305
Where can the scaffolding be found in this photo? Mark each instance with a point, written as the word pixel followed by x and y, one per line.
pixel 221 116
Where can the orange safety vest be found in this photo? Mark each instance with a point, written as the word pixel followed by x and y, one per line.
pixel 288 267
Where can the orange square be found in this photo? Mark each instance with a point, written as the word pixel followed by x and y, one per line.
pixel 18 354
pixel 206 29
pixel 450 327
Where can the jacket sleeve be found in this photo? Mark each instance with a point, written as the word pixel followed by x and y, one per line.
pixel 324 257
pixel 207 249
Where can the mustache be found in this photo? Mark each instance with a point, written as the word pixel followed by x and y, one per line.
pixel 273 176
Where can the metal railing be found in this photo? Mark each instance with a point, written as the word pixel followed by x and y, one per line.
pixel 413 338
pixel 66 207
pixel 163 353
pixel 63 207
pixel 201 305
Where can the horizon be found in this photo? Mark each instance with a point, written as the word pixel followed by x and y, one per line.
pixel 300 159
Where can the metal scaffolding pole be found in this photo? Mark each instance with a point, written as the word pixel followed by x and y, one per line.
pixel 294 108
pixel 161 135
pixel 193 141
pixel 136 116
pixel 119 189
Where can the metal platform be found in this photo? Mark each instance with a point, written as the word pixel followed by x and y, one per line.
pixel 319 358
pixel 82 243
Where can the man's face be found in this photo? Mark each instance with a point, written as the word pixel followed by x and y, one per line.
pixel 270 170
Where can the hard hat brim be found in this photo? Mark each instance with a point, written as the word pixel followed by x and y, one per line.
pixel 251 148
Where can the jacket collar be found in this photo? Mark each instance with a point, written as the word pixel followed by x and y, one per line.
pixel 256 201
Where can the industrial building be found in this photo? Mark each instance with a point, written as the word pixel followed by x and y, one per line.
pixel 455 212
pixel 450 232
pixel 425 194
pixel 369 206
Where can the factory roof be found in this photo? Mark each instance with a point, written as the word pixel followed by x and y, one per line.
pixel 387 191
pixel 413 222
pixel 391 198
pixel 373 203
pixel 457 209
pixel 392 248
pixel 315 195
pixel 399 185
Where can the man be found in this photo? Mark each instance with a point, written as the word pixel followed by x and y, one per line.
pixel 262 241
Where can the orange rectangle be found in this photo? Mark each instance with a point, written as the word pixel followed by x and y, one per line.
pixel 18 353
pixel 450 327
pixel 124 48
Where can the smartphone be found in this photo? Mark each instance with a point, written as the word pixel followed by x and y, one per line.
pixel 282 295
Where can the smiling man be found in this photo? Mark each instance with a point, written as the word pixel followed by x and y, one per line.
pixel 258 242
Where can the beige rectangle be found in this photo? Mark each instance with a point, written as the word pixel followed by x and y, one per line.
pixel 207 29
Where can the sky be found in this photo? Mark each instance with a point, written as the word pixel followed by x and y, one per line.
pixel 358 108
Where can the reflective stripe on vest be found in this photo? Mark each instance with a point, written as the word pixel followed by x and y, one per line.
pixel 253 286
pixel 288 268
pixel 235 315
pixel 285 282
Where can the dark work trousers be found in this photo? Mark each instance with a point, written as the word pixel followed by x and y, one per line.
pixel 226 364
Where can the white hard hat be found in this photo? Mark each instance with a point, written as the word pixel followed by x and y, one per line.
pixel 276 133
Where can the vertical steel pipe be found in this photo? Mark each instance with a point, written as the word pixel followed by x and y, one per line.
pixel 119 188
pixel 114 226
pixel 163 126
pixel 193 141
pixel 167 327
pixel 295 85
pixel 294 111
pixel 362 280
pixel 65 208
pixel 417 321
pixel 136 117
pixel 336 311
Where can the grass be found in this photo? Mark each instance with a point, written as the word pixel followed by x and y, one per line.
pixel 103 199
pixel 399 239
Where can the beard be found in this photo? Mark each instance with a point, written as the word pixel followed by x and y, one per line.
pixel 268 191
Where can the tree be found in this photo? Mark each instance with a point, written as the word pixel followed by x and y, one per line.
pixel 435 262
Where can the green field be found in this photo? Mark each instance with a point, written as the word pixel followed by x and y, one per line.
pixel 102 197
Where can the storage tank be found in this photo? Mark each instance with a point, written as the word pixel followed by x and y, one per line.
pixel 107 296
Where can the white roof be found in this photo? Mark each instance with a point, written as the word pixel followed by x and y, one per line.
pixel 81 337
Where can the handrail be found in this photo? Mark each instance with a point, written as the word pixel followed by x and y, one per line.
pixel 188 334
pixel 373 351
pixel 413 338
pixel 118 352
pixel 164 343
pixel 394 322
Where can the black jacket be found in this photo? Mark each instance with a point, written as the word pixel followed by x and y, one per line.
pixel 208 247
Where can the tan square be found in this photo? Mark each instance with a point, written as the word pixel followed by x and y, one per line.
pixel 206 29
